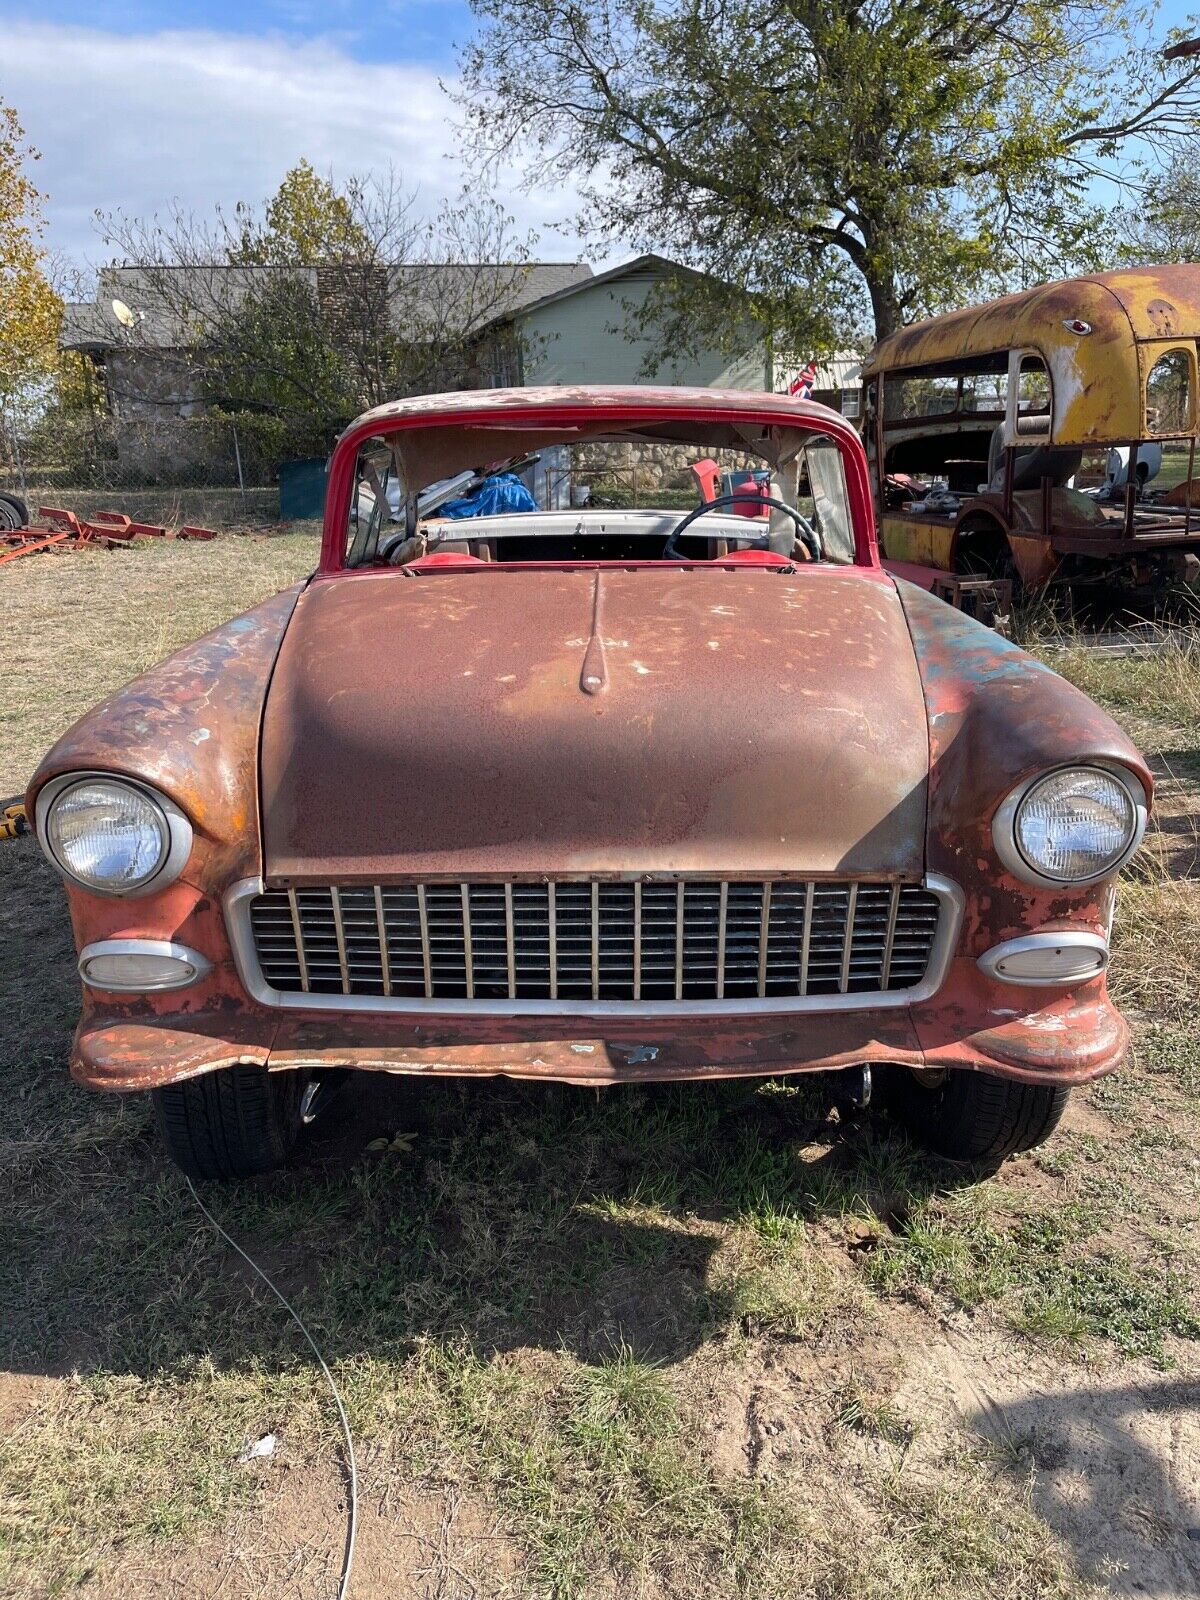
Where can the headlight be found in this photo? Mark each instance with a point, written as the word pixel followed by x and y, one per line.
pixel 1071 826
pixel 110 835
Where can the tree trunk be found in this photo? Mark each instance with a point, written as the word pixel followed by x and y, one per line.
pixel 885 303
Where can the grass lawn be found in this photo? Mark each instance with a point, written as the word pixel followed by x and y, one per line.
pixel 660 1342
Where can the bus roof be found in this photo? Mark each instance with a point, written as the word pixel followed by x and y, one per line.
pixel 1138 303
pixel 1087 330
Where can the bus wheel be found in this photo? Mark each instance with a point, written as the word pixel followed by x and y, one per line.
pixel 982 550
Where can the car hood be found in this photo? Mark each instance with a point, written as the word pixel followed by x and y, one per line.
pixel 516 721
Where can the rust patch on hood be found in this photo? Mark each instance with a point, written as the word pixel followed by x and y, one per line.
pixel 745 722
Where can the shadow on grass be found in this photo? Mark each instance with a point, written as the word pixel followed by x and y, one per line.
pixel 513 1214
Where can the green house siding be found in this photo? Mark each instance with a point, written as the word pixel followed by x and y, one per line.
pixel 592 336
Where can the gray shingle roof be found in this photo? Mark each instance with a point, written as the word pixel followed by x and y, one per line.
pixel 462 294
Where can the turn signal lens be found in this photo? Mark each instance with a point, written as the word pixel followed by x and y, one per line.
pixel 1055 964
pixel 137 971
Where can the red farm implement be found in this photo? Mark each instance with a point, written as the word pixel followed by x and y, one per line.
pixel 59 530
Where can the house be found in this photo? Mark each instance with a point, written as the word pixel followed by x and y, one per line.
pixel 136 332
pixel 601 328
pixel 534 323
pixel 519 324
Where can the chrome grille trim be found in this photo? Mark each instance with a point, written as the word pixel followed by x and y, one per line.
pixel 764 924
pixel 637 940
pixel 468 949
pixel 339 934
pixel 848 943
pixel 299 938
pixel 806 939
pixel 426 953
pixel 596 947
pixel 510 939
pixel 552 905
pixel 889 937
pixel 595 939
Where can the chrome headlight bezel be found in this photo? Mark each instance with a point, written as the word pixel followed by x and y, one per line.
pixel 1004 824
pixel 175 829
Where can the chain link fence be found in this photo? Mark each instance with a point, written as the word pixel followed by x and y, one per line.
pixel 223 472
pixel 211 469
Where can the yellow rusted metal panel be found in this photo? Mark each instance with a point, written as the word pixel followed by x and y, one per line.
pixel 1096 373
pixel 904 539
pixel 941 542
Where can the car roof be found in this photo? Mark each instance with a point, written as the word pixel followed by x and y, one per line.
pixel 607 398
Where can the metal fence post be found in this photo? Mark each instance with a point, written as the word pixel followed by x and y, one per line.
pixel 237 452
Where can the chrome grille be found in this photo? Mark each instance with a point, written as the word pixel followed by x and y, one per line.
pixel 640 941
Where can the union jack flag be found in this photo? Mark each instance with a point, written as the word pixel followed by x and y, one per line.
pixel 801 386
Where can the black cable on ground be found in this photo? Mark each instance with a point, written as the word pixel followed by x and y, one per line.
pixel 351 1465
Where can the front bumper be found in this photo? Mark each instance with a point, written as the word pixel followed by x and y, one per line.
pixel 1065 1038
pixel 126 1042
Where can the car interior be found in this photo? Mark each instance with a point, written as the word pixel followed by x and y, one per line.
pixel 659 493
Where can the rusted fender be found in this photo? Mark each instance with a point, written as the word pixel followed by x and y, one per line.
pixel 996 717
pixel 1064 1037
pixel 190 727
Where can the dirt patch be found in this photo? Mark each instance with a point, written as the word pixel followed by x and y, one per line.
pixel 1108 1457
pixel 1111 1457
pixel 771 1413
pixel 414 1543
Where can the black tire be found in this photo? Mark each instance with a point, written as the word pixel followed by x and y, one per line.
pixel 982 549
pixel 233 1123
pixel 971 1116
pixel 14 513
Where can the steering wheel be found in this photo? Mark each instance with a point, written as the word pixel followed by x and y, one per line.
pixel 805 531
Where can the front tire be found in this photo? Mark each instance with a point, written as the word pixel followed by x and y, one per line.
pixel 237 1122
pixel 973 1117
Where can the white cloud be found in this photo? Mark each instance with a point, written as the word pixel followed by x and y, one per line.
pixel 136 122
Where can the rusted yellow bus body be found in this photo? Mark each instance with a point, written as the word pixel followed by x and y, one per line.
pixel 1048 435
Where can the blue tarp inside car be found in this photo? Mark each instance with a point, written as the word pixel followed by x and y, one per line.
pixel 504 491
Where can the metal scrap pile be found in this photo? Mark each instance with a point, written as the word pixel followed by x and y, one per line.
pixel 60 530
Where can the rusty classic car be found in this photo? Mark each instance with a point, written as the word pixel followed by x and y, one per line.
pixel 595 795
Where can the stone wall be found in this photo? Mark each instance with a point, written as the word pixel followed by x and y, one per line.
pixel 651 465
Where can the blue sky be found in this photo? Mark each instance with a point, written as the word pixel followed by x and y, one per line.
pixel 135 104
pixel 138 105
pixel 367 30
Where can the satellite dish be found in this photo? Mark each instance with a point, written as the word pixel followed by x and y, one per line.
pixel 123 314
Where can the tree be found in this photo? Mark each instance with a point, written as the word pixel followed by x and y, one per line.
pixel 30 310
pixel 307 224
pixel 1165 225
pixel 324 302
pixel 846 163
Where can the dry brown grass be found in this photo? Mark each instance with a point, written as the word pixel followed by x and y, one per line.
pixel 79 625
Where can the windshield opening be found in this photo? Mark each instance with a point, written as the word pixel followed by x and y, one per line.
pixel 543 495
